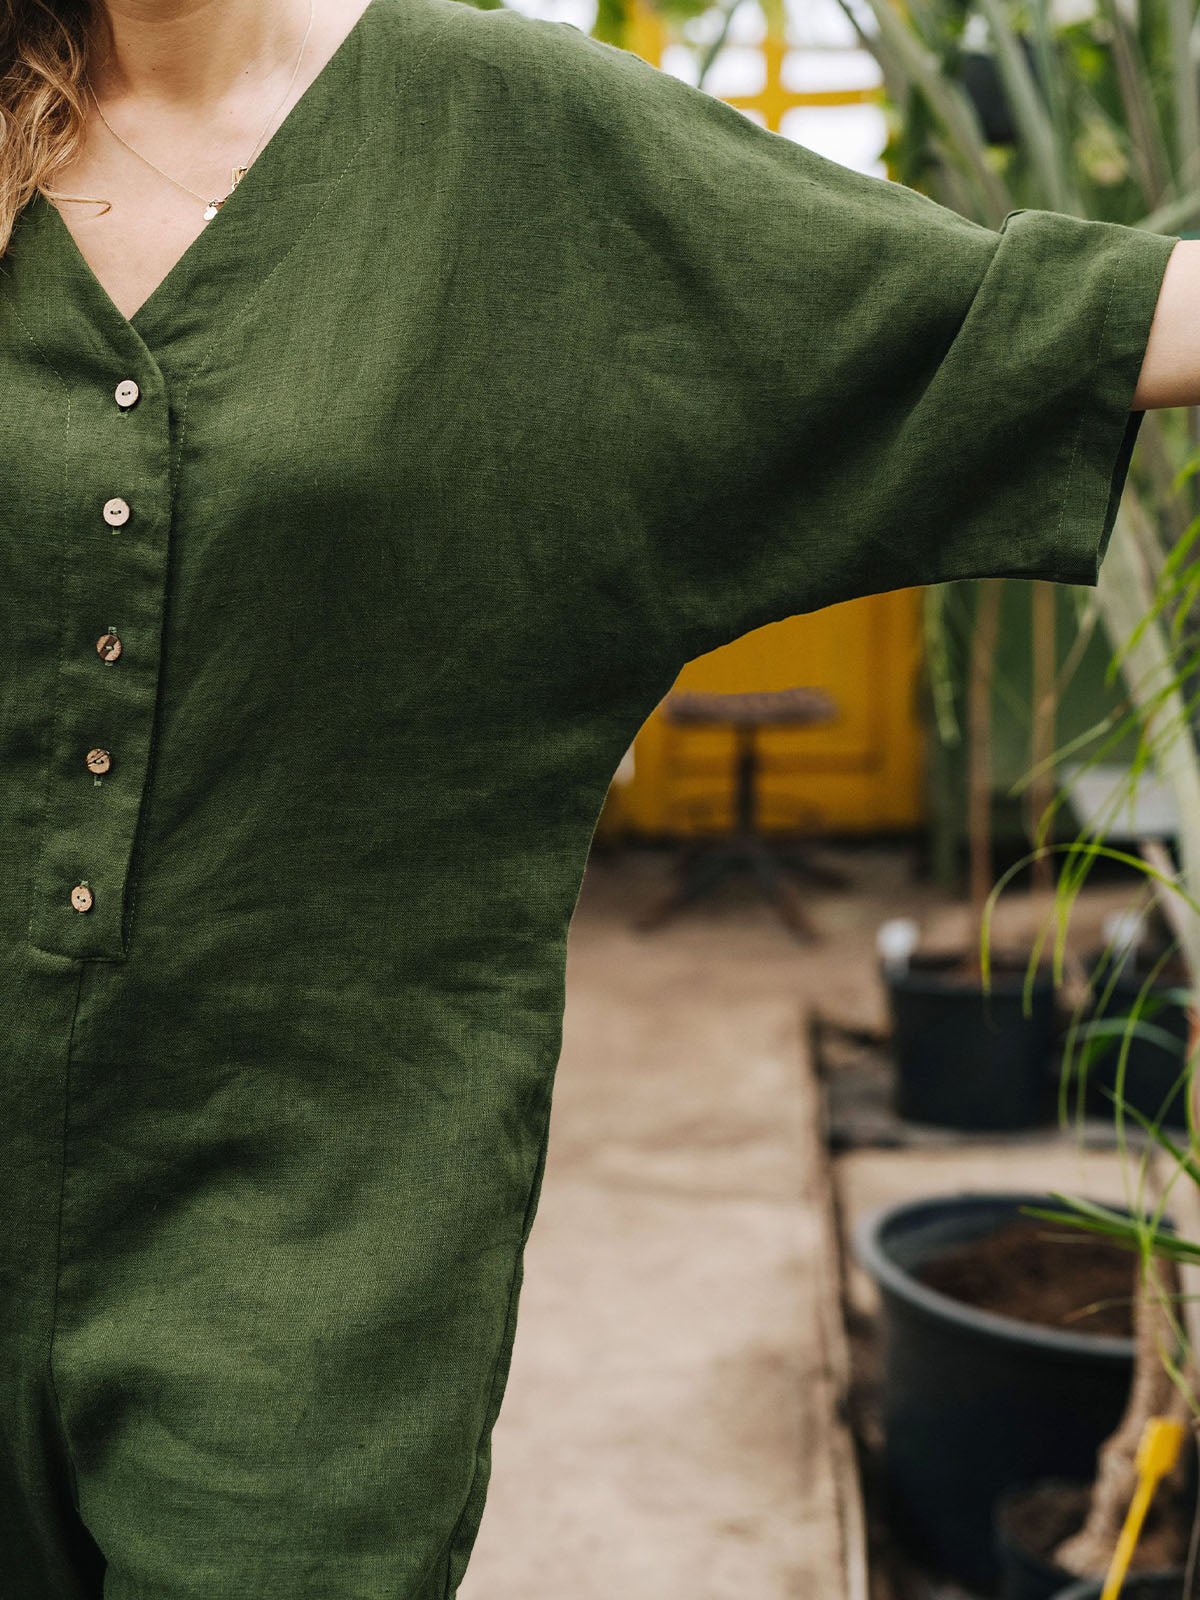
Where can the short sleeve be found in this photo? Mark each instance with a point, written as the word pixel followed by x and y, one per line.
pixel 809 384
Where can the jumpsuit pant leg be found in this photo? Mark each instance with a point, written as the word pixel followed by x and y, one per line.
pixel 260 1304
pixel 46 1551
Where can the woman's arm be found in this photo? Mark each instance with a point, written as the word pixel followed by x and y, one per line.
pixel 1170 374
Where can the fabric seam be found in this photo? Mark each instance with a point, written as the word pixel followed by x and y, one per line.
pixel 546 1090
pixel 1079 428
pixel 58 1232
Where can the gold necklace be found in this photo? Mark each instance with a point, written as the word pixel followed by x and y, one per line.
pixel 212 206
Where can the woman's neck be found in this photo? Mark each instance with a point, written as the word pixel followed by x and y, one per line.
pixel 191 55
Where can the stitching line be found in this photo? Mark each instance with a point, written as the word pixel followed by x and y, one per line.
pixel 544 1090
pixel 58 1229
pixel 1079 430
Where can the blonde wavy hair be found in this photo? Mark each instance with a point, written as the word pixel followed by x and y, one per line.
pixel 44 51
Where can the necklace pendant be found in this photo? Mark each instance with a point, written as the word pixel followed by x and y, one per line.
pixel 214 206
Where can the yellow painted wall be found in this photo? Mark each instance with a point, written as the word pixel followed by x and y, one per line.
pixel 862 773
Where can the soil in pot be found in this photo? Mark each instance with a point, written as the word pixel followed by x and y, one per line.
pixel 1039 1272
pixel 1032 1522
pixel 969 1059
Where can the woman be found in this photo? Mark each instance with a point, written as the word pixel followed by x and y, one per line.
pixel 358 510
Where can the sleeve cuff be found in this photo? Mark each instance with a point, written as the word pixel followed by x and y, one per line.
pixel 1101 429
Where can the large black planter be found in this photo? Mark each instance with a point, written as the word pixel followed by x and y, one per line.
pixel 966 1059
pixel 1153 1066
pixel 975 1403
pixel 1167 1585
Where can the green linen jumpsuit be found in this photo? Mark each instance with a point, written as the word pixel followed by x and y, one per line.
pixel 515 374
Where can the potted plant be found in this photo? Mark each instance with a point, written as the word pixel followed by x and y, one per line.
pixel 966 1056
pixel 1130 1036
pixel 1029 1522
pixel 1090 1513
pixel 1047 1526
pixel 995 1370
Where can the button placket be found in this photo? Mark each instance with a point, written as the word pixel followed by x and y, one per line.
pixel 82 880
pixel 108 645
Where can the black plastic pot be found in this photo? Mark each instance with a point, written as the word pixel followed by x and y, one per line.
pixel 981 79
pixel 966 1059
pixel 975 1403
pixel 1152 1066
pixel 1165 1585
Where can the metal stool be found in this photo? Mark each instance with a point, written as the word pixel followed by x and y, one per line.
pixel 703 862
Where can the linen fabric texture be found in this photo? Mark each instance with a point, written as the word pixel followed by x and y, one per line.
pixel 514 374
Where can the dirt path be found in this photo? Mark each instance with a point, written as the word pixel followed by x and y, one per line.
pixel 666 1430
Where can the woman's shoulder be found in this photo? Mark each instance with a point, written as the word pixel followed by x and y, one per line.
pixel 508 52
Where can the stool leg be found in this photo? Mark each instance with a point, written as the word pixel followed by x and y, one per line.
pixel 698 873
pixel 798 859
pixel 756 852
pixel 746 781
pixel 779 892
pixel 699 867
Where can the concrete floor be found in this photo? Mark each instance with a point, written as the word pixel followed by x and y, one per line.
pixel 670 1426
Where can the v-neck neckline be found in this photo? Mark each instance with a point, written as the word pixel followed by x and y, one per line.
pixel 240 219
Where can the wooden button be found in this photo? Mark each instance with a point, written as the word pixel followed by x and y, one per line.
pixel 81 897
pixel 126 393
pixel 108 646
pixel 99 760
pixel 116 512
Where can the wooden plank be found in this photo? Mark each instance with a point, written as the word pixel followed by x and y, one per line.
pixel 829 1296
